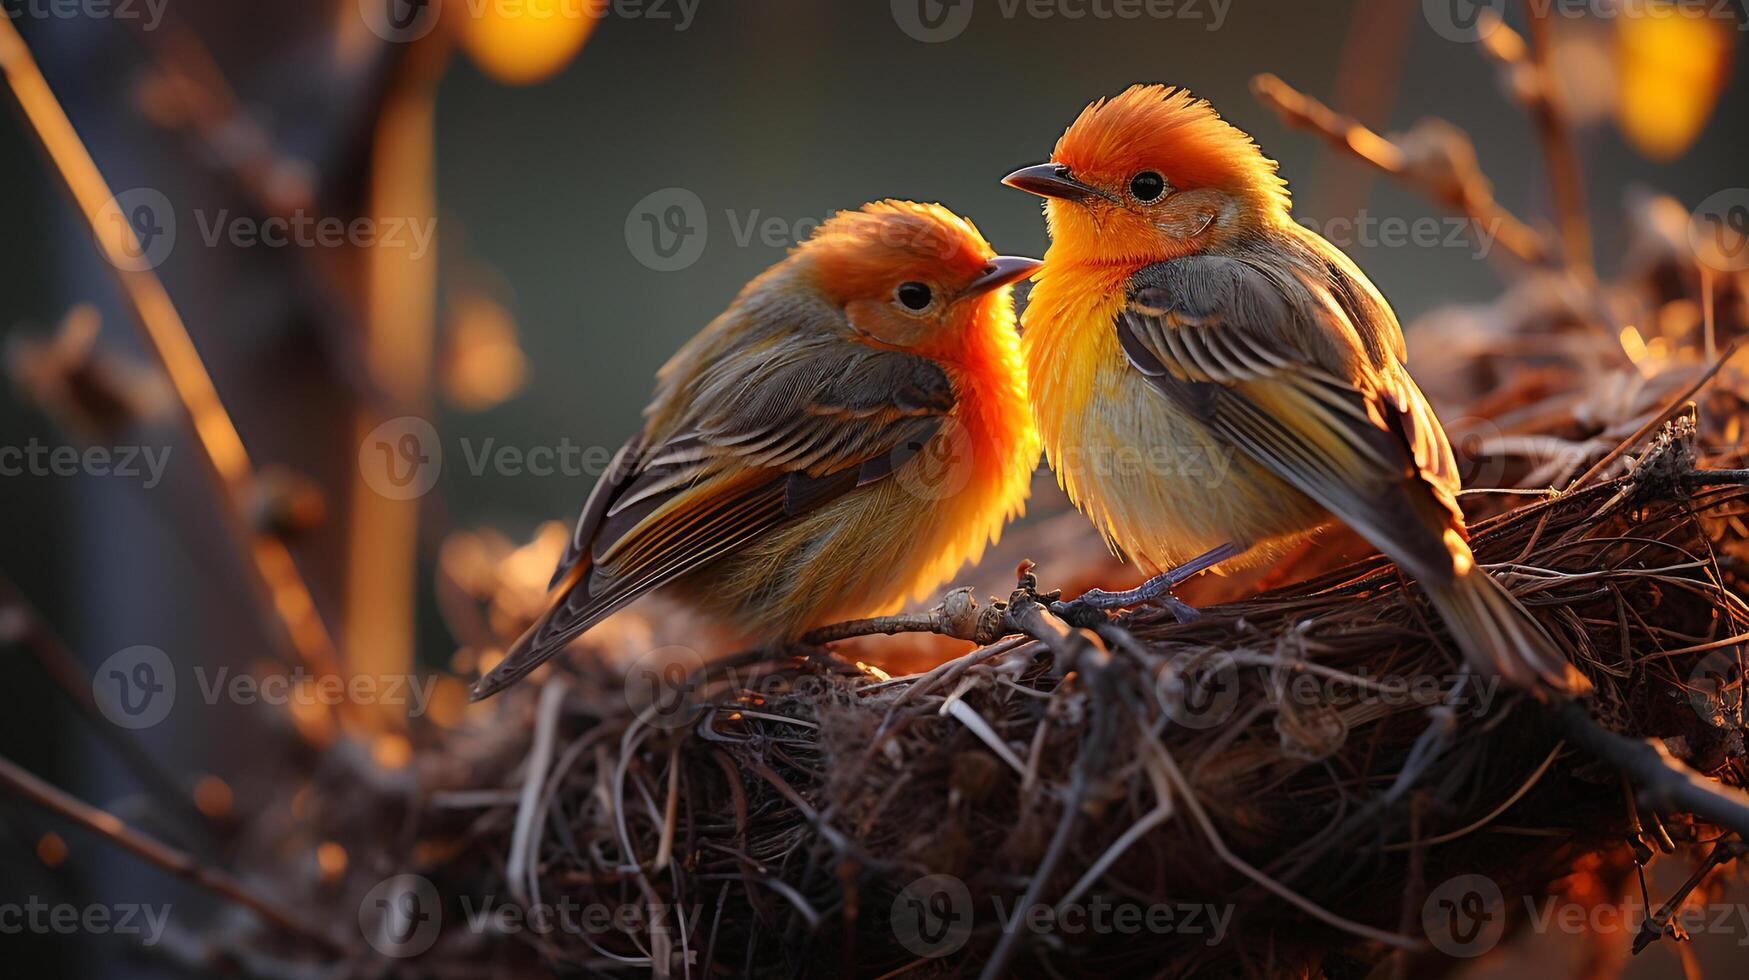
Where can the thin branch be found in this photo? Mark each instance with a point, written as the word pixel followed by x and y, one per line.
pixel 1719 478
pixel 31 631
pixel 164 856
pixel 1664 781
pixel 958 615
pixel 1657 925
pixel 1542 100
pixel 285 598
pixel 1465 191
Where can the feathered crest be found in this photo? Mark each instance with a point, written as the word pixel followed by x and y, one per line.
pixel 870 243
pixel 1168 129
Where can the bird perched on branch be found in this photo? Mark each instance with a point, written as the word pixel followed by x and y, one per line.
pixel 845 435
pixel 1214 381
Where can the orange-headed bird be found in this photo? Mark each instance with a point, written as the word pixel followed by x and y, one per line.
pixel 1213 380
pixel 845 435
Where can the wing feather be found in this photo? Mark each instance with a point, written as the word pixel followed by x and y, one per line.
pixel 1284 364
pixel 763 441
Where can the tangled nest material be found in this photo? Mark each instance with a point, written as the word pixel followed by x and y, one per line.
pixel 1310 761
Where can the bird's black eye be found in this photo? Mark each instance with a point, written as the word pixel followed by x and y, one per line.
pixel 914 295
pixel 1147 187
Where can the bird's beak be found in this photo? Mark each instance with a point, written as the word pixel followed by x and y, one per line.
pixel 1051 180
pixel 1000 271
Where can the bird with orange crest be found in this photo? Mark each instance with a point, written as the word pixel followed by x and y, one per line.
pixel 851 430
pixel 1181 307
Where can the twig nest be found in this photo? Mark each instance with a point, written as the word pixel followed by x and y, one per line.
pixel 1311 732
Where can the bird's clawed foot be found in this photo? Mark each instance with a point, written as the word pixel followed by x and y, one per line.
pixel 1090 608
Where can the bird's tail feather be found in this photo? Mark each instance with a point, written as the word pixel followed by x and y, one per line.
pixel 1497 635
pixel 551 633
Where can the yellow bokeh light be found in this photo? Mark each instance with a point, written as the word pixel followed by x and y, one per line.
pixel 520 42
pixel 331 858
pixel 51 850
pixel 391 751
pixel 1673 66
pixel 212 796
pixel 449 699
